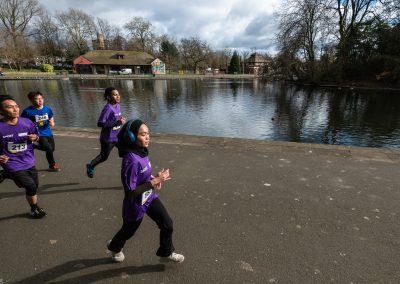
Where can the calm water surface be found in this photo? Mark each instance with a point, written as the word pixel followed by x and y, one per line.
pixel 228 108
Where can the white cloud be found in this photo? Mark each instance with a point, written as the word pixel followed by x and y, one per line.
pixel 236 24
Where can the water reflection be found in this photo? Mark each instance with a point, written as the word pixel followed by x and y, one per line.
pixel 230 108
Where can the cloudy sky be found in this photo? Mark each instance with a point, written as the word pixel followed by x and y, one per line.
pixel 236 24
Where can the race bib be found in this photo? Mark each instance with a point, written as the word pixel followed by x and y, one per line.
pixel 146 195
pixel 41 119
pixel 15 148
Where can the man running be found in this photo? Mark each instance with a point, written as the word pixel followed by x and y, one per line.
pixel 42 116
pixel 16 151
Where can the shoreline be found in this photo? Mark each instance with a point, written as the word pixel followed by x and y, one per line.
pixel 358 85
pixel 390 155
pixel 38 76
pixel 44 76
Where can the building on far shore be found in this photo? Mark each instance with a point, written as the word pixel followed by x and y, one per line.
pixel 118 62
pixel 255 64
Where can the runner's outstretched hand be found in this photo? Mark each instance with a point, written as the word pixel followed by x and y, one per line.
pixel 33 137
pixel 161 177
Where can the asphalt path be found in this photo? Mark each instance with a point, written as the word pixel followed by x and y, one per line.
pixel 244 211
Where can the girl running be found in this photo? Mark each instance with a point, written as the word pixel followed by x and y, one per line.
pixel 140 196
pixel 110 121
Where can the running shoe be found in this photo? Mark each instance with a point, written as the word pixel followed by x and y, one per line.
pixel 38 213
pixel 89 170
pixel 54 168
pixel 116 256
pixel 174 257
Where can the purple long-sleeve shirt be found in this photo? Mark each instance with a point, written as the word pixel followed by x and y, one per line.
pixel 109 119
pixel 134 172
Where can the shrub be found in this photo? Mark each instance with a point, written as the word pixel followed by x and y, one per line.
pixel 48 68
pixel 385 65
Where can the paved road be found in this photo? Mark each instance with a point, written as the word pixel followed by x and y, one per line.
pixel 244 212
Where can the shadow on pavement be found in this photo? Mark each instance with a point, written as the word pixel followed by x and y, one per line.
pixel 47 186
pixel 79 265
pixel 43 190
pixel 21 215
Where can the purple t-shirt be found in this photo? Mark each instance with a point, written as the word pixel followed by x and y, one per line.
pixel 110 113
pixel 15 144
pixel 134 172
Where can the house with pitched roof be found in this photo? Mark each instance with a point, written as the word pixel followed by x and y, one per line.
pixel 118 62
pixel 255 64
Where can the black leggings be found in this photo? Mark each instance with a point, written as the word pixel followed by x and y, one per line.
pixel 158 214
pixel 46 143
pixel 105 151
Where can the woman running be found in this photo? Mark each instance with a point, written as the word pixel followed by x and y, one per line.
pixel 140 196
pixel 110 121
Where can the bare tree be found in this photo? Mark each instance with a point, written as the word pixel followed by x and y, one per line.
pixel 302 26
pixel 142 35
pixel 104 30
pixel 7 50
pixel 15 16
pixel 391 10
pixel 111 34
pixel 228 55
pixel 217 59
pixel 78 28
pixel 48 37
pixel 118 42
pixel 350 16
pixel 194 51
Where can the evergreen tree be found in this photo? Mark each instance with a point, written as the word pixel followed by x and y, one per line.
pixel 169 53
pixel 234 66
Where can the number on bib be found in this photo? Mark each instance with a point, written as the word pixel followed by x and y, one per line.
pixel 15 148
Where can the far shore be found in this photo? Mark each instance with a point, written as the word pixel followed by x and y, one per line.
pixel 59 76
pixel 55 76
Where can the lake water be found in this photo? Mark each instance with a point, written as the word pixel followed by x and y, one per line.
pixel 229 108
